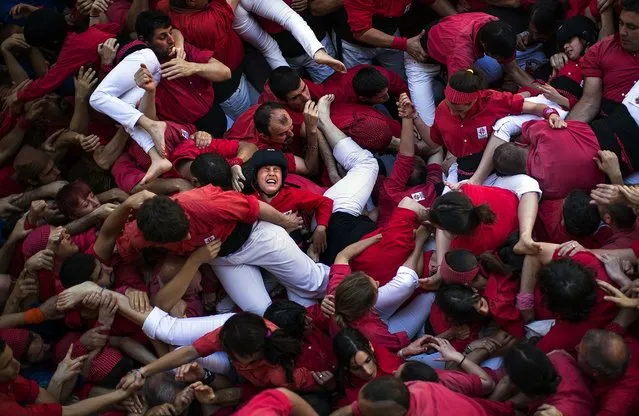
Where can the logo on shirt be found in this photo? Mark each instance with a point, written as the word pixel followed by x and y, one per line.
pixel 185 134
pixel 482 132
pixel 209 239
pixel 418 196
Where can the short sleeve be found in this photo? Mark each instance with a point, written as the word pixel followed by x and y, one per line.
pixel 518 184
pixel 267 403
pixel 460 382
pixel 225 148
pixel 290 158
pixel 197 55
pixel 360 14
pixel 591 66
pixel 25 390
pixel 209 343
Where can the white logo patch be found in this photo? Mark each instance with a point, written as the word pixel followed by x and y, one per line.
pixel 209 239
pixel 482 132
pixel 185 134
pixel 418 196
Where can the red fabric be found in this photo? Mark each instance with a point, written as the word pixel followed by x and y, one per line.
pixel 489 237
pixel 440 324
pixel 78 50
pixel 501 293
pixel 17 339
pixel 453 41
pixel 553 152
pixel 118 11
pixel 317 350
pixel 572 70
pixel 617 68
pixel 304 202
pixel 174 135
pixel 210 29
pixel 341 85
pixel 566 335
pixel 187 150
pixel 127 173
pixel 371 325
pixel 24 391
pixel 432 398
pixel 212 212
pixel 361 12
pixel 367 126
pixel 394 189
pixel 468 136
pixel 460 382
pixel 267 403
pixel 101 365
pixel 259 373
pixel 187 99
pixel 8 185
pixel 572 396
pixel 622 238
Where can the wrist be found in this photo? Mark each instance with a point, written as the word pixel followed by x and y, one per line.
pixel 400 43
pixel 236 161
pixel 548 112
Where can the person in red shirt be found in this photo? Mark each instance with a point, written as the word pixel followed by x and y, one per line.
pixel 365 84
pixel 276 402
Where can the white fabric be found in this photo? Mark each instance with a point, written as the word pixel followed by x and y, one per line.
pixel 271 248
pixel 507 127
pixel 394 293
pixel 518 184
pixel 421 79
pixel 252 32
pixel 630 101
pixel 317 72
pixel 412 317
pixel 392 59
pixel 118 96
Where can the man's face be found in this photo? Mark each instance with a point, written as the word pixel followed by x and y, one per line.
pixel 9 366
pixel 49 174
pixel 66 247
pixel 269 179
pixel 281 127
pixel 629 31
pixel 162 43
pixel 297 99
pixel 86 205
pixel 379 98
pixel 38 350
pixel 102 275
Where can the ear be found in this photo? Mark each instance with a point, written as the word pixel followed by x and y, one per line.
pixel 607 218
pixel 195 182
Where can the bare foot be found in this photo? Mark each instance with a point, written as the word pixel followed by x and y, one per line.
pixel 156 129
pixel 323 58
pixel 324 106
pixel 158 168
pixel 74 295
pixel 526 245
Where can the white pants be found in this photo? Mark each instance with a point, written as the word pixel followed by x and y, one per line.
pixel 392 59
pixel 507 127
pixel 270 247
pixel 184 331
pixel 421 80
pixel 351 193
pixel 518 184
pixel 280 13
pixel 317 72
pixel 118 96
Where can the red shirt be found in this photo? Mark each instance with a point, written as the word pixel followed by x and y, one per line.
pixel 394 189
pixel 454 42
pixel 211 211
pixel 489 237
pixel 554 152
pixel 468 136
pixel 299 200
pixel 210 29
pixel 434 399
pixel 460 382
pixel 23 391
pixel 341 85
pixel 367 126
pixel 78 50
pixel 360 12
pixel 8 185
pixel 187 150
pixel 267 403
pixel 259 373
pixel 622 238
pixel 186 99
pixel 317 350
pixel 440 323
pixel 617 68
pixel 566 335
pixel 501 293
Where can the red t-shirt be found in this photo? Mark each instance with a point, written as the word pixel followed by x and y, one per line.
pixel 25 391
pixel 317 350
pixel 394 189
pixel 78 50
pixel 460 382
pixel 186 99
pixel 341 85
pixel 8 185
pixel 501 293
pixel 299 200
pixel 212 212
pixel 187 150
pixel 618 69
pixel 489 237
pixel 434 399
pixel 554 152
pixel 267 403
pixel 468 136
pixel 622 238
pixel 361 12
pixel 367 126
pixel 454 42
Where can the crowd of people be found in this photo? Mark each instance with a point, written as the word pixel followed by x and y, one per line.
pixel 319 207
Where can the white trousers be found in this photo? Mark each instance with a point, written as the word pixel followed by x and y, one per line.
pixel 507 127
pixel 271 248
pixel 118 96
pixel 518 184
pixel 421 81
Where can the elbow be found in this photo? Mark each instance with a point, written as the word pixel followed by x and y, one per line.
pixel 97 99
pixel 101 160
pixel 488 385
pixel 224 74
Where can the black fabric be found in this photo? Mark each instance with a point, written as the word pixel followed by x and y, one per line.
pixel 236 239
pixel 289 46
pixel 213 122
pixel 344 229
pixel 256 68
pixel 467 165
pixel 224 90
pixel 569 85
pixel 117 372
pixel 618 133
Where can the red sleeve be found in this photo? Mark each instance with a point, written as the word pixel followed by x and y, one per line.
pixel 197 55
pixel 360 15
pixel 319 320
pixel 302 380
pixel 591 65
pixel 460 382
pixel 506 103
pixel 25 390
pixel 127 276
pixel 396 85
pixel 337 274
pixel 45 409
pixel 209 343
pixel 267 403
pixel 402 170
pixel 435 134
pixel 309 201
pixel 290 158
pixel 372 326
pixel 225 148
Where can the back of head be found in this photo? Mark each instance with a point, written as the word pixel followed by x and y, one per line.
pixel 46 28
pixel 162 220
pixel 581 218
pixel 568 289
pixel 467 80
pixel 68 196
pixel 77 269
pixel 459 266
pixel 148 21
pixel 455 213
pixel 289 316
pixel 510 159
pixel 283 80
pixel 499 39
pixel 546 16
pixel 622 215
pixel 457 302
pixel 263 114
pixel 368 82
pixel 606 353
pixel 417 371
pixel 29 163
pixel 531 371
pixel 354 297
pixel 370 130
pixel 211 168
pixel 161 388
pixel 385 395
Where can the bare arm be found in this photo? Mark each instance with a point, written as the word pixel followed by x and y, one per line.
pixel 519 75
pixel 324 7
pixel 607 23
pixel 504 3
pixel 44 192
pixel 171 360
pixel 94 404
pixel 310 164
pixel 213 70
pixel 588 106
pixel 486 162
pixel 443 8
pixel 245 151
pixel 16 71
pixel 38 62
pixel 376 38
pixel 106 155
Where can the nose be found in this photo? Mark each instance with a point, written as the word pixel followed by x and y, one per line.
pixel 368 370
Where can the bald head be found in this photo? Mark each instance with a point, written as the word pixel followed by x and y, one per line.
pixel 605 353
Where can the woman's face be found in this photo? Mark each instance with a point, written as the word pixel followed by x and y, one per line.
pixel 86 205
pixel 574 48
pixel 249 359
pixel 459 110
pixel 363 366
pixel 481 306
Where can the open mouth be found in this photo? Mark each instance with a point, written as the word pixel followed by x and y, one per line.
pixel 271 182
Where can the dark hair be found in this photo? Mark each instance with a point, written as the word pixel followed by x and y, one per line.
pixel 530 370
pixel 289 316
pixel 354 297
pixel 546 16
pixel 514 261
pixel 368 82
pixel 387 389
pixel 462 260
pixel 599 347
pixel 622 215
pixel 457 303
pixel 46 28
pixel 581 218
pixel 162 388
pixel 77 269
pixel 455 213
pixel 211 168
pixel 467 81
pixel 283 80
pixel 345 345
pixel 3 346
pixel 245 334
pixel 148 21
pixel 262 116
pixel 499 39
pixel 162 220
pixel 418 371
pixel 68 196
pixel 419 175
pixel 630 6
pixel 510 159
pixel 568 289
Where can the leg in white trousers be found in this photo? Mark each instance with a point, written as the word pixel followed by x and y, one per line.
pixel 421 79
pixel 395 292
pixel 412 317
pixel 317 72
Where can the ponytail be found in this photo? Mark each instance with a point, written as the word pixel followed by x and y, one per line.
pixel 282 349
pixel 455 213
pixel 484 214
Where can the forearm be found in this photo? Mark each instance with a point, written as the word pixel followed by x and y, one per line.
pixel 585 110
pixel 442 244
pixel 13 303
pixel 245 151
pixel 16 71
pixel 424 132
pixel 486 381
pixel 147 105
pixel 520 76
pixel 171 294
pixel 10 144
pixel 504 3
pixel 60 390
pixel 270 214
pixel 171 360
pixel 376 38
pixel 162 186
pixel 44 192
pixel 607 23
pixel 407 142
pixel 80 119
pixel 311 158
pixel 214 71
pixel 443 8
pixel 82 224
pixel 105 156
pixel 38 62
pixel 111 228
pixel 133 349
pixel 412 262
pixel 6 254
pixel 94 404
pixel 486 163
